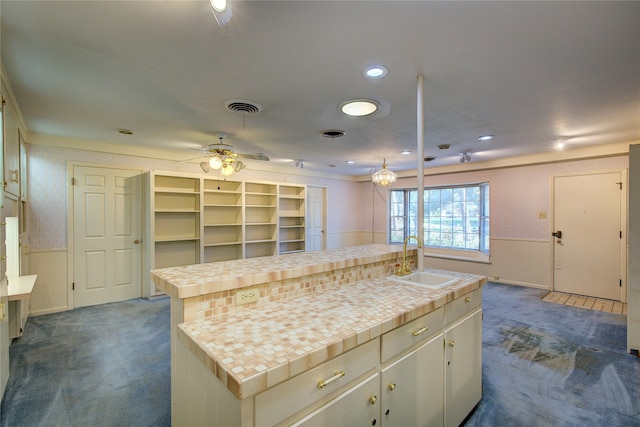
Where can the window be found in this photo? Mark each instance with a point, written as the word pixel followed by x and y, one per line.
pixel 455 217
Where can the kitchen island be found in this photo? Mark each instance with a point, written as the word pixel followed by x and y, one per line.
pixel 330 340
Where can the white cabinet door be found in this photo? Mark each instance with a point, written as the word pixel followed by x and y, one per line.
pixel 463 368
pixel 11 144
pixel 411 388
pixel 358 406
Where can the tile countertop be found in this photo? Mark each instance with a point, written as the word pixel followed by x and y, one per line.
pixel 201 279
pixel 253 349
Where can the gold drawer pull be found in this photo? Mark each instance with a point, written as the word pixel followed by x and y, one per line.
pixel 421 330
pixel 373 399
pixel 392 386
pixel 452 343
pixel 337 376
pixel 467 299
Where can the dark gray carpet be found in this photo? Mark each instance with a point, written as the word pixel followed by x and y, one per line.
pixel 546 364
pixel 106 365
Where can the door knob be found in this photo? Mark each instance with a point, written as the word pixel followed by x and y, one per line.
pixel 136 241
pixel 557 234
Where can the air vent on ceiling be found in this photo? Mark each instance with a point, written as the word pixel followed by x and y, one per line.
pixel 333 133
pixel 242 106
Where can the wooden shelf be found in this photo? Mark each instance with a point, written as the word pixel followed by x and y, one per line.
pixel 198 219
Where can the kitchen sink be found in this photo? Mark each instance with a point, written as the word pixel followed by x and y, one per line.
pixel 426 279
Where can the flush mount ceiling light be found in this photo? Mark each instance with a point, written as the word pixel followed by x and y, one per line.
pixel 405 152
pixel 359 107
pixel 485 138
pixel 375 71
pixel 349 162
pixel 125 132
pixel 221 11
pixel 384 176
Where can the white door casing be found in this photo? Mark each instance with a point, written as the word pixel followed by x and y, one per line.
pixel 107 226
pixel 315 233
pixel 588 259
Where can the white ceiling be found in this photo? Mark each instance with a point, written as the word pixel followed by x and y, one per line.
pixel 526 72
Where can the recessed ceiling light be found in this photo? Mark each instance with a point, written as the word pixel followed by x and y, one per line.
pixel 359 107
pixel 350 162
pixel 485 137
pixel 125 131
pixel 405 152
pixel 429 159
pixel 560 146
pixel 444 146
pixel 375 71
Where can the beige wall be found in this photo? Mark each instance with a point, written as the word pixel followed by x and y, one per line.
pixel 520 240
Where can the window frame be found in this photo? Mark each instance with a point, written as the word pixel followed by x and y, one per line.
pixel 404 220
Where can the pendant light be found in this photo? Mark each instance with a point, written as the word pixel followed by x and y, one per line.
pixel 384 176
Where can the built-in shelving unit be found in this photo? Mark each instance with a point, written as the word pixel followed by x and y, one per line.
pixel 260 204
pixel 196 219
pixel 222 221
pixel 291 218
pixel 174 221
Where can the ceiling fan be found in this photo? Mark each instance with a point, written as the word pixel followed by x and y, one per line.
pixel 224 157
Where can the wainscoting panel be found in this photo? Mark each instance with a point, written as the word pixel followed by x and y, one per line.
pixel 50 293
pixel 521 262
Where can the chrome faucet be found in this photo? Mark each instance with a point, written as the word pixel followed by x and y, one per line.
pixel 405 268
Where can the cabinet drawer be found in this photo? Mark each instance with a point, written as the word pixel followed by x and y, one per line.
pixel 462 306
pixel 400 339
pixel 293 395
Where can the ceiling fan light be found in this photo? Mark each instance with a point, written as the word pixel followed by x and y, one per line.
pixel 227 169
pixel 384 176
pixel 205 166
pixel 215 162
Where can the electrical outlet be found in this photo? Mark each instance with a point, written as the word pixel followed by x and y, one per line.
pixel 247 295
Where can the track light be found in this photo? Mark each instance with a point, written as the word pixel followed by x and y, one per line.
pixel 465 157
pixel 299 163
pixel 222 11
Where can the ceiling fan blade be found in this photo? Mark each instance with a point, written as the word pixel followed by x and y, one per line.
pixel 193 158
pixel 257 156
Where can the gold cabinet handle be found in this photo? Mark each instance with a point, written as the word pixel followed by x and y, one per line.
pixel 373 399
pixel 452 343
pixel 467 299
pixel 392 386
pixel 337 376
pixel 421 330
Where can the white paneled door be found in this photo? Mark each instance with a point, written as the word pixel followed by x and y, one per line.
pixel 315 233
pixel 588 243
pixel 107 226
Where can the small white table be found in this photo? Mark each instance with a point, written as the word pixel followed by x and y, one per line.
pixel 19 292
